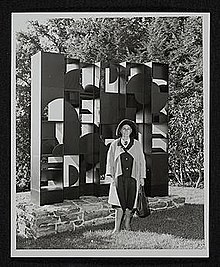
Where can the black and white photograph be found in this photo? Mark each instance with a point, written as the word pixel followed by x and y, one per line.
pixel 110 134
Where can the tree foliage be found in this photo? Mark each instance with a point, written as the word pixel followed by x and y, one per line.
pixel 173 40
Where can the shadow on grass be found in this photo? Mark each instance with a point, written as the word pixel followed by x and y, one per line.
pixel 185 222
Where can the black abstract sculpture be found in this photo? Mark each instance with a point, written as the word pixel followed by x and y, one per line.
pixel 75 110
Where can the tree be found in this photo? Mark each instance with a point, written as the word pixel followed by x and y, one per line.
pixel 178 42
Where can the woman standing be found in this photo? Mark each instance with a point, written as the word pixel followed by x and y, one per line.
pixel 126 168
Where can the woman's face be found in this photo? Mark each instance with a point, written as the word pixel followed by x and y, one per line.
pixel 126 131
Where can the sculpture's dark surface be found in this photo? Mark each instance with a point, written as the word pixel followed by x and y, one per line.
pixel 75 110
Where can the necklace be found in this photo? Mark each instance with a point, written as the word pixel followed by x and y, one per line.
pixel 125 142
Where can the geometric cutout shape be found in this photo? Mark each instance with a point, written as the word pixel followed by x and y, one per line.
pixel 160 129
pixel 53 171
pixel 87 111
pixel 123 64
pixel 50 94
pixel 112 73
pixel 92 90
pixel 140 85
pixel 90 148
pixel 70 160
pixel 54 179
pixel 55 159
pixel 90 75
pixel 90 160
pixel 77 112
pixel 72 65
pixel 136 86
pixel 73 175
pixel 159 82
pixel 59 132
pixel 72 98
pixel 148 64
pixel 72 81
pixel 97 112
pixel 87 118
pixel 158 99
pixel 86 129
pixel 71 130
pixel 55 110
pixel 111 80
pixel 122 76
pixel 164 110
pixel 93 175
pixel 88 105
pixel 89 145
pixel 134 70
pixel 58 150
pixel 159 143
pixel 160 71
pixel 131 101
pixel 48 146
pixel 89 176
pixel 97 64
pixel 139 117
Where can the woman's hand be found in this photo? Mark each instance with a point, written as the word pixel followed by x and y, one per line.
pixel 142 182
pixel 108 176
pixel 113 181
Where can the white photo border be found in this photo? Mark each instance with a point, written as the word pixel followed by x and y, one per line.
pixel 18 23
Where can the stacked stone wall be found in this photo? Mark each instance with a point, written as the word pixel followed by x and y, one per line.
pixel 34 221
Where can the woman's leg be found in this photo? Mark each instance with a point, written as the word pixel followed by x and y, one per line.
pixel 131 188
pixel 118 219
pixel 128 216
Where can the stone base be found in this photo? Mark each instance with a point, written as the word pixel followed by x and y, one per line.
pixel 36 221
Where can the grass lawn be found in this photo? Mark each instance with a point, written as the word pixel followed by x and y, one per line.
pixel 192 195
pixel 181 228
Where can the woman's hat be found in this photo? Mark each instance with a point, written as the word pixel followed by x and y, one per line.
pixel 133 126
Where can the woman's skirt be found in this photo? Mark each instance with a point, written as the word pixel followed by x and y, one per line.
pixel 126 189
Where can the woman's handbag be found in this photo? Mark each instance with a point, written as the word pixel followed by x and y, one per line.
pixel 143 207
